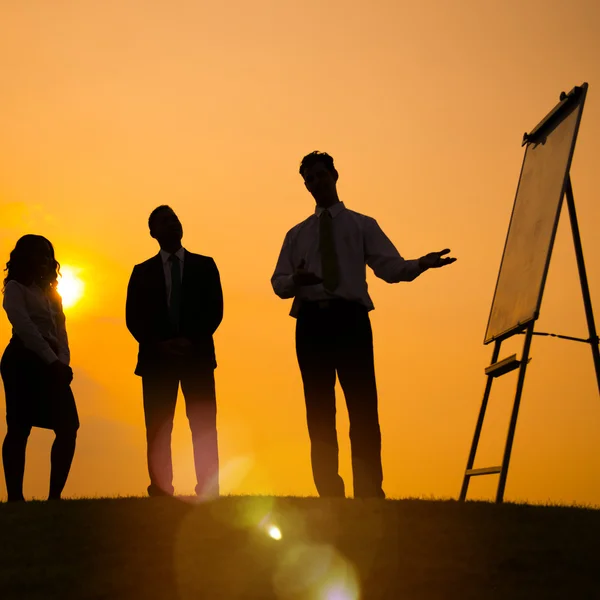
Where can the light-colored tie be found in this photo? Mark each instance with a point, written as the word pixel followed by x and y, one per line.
pixel 329 261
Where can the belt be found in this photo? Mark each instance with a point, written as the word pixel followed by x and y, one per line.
pixel 331 303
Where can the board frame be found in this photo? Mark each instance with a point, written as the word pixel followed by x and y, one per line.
pixel 574 100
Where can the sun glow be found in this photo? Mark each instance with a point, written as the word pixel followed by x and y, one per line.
pixel 274 532
pixel 70 286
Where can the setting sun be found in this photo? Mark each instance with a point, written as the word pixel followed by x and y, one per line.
pixel 70 286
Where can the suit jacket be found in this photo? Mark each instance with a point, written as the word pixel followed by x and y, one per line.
pixel 147 314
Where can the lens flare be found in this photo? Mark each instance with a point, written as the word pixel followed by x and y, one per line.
pixel 274 532
pixel 316 571
pixel 343 590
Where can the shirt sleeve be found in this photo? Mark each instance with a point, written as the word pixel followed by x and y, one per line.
pixel 16 309
pixel 64 354
pixel 283 277
pixel 381 255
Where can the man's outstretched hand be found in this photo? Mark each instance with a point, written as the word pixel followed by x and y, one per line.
pixel 434 260
pixel 303 277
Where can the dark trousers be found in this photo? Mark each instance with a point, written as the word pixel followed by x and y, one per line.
pixel 336 337
pixel 160 397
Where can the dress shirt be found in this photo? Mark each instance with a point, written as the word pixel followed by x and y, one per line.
pixel 167 265
pixel 359 241
pixel 36 321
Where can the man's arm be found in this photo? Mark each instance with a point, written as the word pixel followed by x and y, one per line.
pixel 386 262
pixel 287 278
pixel 381 255
pixel 283 277
pixel 209 309
pixel 133 308
pixel 214 313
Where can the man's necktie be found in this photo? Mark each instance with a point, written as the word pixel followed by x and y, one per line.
pixel 329 261
pixel 175 300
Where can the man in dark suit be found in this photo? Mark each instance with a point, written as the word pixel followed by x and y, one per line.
pixel 174 306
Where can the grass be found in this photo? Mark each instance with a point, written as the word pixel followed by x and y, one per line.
pixel 142 548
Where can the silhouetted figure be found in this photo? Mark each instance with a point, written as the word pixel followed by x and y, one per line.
pixel 35 365
pixel 322 266
pixel 174 306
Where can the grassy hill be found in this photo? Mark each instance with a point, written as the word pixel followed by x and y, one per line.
pixel 142 548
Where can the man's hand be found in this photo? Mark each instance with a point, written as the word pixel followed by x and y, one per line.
pixel 181 346
pixel 434 260
pixel 175 347
pixel 60 373
pixel 303 277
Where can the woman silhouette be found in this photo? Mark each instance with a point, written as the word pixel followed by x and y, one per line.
pixel 35 365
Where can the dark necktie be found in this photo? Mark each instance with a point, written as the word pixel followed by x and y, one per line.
pixel 329 261
pixel 175 300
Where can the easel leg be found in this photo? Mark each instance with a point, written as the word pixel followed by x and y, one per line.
pixel 479 425
pixel 515 413
pixel 585 290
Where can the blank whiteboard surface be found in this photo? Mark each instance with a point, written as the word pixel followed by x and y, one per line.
pixel 532 228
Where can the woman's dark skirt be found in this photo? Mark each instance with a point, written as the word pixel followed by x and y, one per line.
pixel 33 399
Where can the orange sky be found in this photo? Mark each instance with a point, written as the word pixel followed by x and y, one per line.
pixel 110 108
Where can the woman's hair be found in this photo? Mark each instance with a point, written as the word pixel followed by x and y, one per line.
pixel 26 263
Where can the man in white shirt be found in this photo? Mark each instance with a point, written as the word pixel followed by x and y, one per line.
pixel 322 266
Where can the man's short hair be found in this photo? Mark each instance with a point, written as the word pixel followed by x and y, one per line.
pixel 317 157
pixel 156 211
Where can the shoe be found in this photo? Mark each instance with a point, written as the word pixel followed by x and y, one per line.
pixel 154 491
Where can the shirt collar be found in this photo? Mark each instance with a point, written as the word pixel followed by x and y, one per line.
pixel 334 210
pixel 166 255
